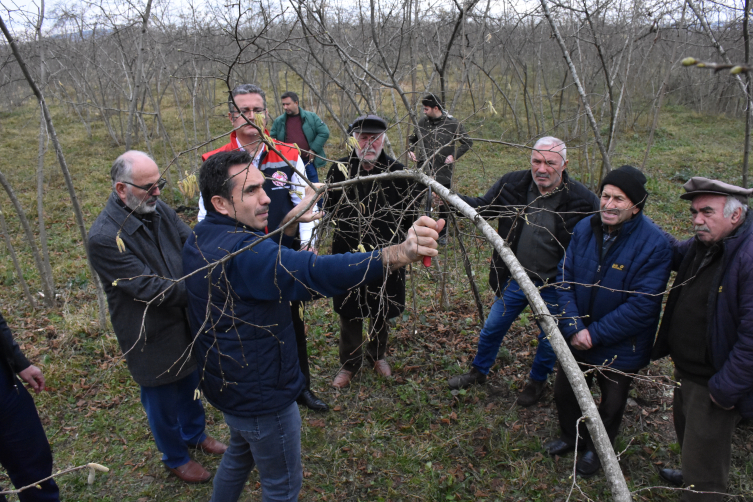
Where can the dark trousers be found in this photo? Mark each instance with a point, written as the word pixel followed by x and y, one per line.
pixel 351 341
pixel 300 341
pixel 175 418
pixel 614 393
pixel 704 432
pixel 24 450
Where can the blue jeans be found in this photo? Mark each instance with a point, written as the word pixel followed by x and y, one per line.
pixel 176 419
pixel 311 172
pixel 503 313
pixel 24 450
pixel 272 443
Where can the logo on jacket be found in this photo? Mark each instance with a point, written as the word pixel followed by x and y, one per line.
pixel 280 179
pixel 618 267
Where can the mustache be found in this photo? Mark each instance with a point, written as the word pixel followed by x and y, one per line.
pixel 701 228
pixel 262 210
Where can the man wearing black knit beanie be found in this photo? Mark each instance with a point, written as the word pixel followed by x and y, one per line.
pixel 612 325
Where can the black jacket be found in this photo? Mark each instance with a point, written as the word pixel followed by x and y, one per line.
pixel 12 359
pixel 160 355
pixel 442 137
pixel 507 199
pixel 369 216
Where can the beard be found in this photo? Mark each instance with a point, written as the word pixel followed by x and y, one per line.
pixel 147 206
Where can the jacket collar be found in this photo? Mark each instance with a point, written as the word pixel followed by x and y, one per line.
pixel 626 229
pixel 732 242
pixel 122 216
pixel 215 218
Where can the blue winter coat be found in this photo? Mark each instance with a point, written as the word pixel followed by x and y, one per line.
pixel 244 339
pixel 730 317
pixel 622 311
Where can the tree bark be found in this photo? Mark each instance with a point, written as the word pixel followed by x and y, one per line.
pixel 16 265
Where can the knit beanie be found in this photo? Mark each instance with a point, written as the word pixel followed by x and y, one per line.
pixel 631 181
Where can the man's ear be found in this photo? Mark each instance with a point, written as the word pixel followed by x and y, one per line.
pixel 230 116
pixel 221 205
pixel 120 190
pixel 564 166
pixel 736 215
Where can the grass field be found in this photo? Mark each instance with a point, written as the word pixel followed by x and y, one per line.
pixel 408 438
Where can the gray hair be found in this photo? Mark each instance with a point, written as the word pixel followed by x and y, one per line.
pixel 554 144
pixel 246 89
pixel 121 168
pixel 731 205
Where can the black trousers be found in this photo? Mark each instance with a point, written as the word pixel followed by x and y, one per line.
pixel 704 432
pixel 351 342
pixel 300 341
pixel 24 450
pixel 614 393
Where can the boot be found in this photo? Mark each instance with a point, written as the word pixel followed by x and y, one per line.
pixel 473 377
pixel 532 393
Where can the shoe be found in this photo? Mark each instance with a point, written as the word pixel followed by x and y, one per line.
pixel 473 377
pixel 310 401
pixel 191 472
pixel 210 446
pixel 588 464
pixel 342 379
pixel 531 393
pixel 674 476
pixel 558 447
pixel 382 368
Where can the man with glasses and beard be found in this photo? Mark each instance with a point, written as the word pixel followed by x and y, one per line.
pixel 135 246
pixel 368 216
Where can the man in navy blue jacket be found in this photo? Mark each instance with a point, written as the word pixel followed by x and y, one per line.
pixel 707 329
pixel 613 277
pixel 240 289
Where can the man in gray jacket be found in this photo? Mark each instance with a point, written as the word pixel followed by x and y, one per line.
pixel 135 246
pixel 438 142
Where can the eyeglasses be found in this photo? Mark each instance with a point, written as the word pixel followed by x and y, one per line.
pixel 159 185
pixel 248 111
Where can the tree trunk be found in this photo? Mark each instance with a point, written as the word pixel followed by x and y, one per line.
pixel 66 173
pixel 16 265
pixel 581 91
pixel 138 77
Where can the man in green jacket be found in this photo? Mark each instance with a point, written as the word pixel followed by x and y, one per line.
pixel 305 129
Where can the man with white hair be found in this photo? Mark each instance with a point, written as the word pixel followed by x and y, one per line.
pixel 135 246
pixel 537 209
pixel 707 329
pixel 368 216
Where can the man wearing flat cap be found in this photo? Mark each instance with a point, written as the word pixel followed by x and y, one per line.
pixel 707 329
pixel 438 142
pixel 368 216
pixel 612 325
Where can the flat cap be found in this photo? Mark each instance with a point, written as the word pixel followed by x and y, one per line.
pixel 370 124
pixel 700 186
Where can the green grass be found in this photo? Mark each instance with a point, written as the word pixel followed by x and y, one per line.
pixel 405 439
